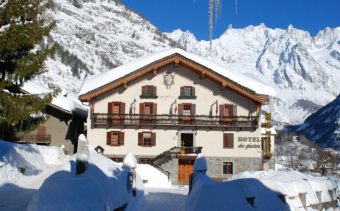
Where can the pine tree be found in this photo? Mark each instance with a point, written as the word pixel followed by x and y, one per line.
pixel 22 29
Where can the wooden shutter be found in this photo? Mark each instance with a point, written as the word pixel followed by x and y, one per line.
pixel 193 109
pixel 230 110
pixel 141 108
pixel 228 140
pixel 154 90
pixel 234 110
pixel 140 139
pixel 143 90
pixel 222 110
pixel 193 91
pixel 182 91
pixel 109 108
pixel 153 139
pixel 121 138
pixel 154 108
pixel 180 109
pixel 122 108
pixel 108 138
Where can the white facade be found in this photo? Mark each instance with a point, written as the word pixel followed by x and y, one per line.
pixel 237 143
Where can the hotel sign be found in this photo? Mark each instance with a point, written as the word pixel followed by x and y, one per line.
pixel 249 142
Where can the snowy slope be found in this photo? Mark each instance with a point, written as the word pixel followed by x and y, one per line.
pixel 323 127
pixel 94 36
pixel 303 69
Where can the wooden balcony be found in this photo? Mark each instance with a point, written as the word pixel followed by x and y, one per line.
pixel 33 138
pixel 105 120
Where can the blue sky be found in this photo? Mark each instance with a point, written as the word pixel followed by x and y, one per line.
pixel 167 15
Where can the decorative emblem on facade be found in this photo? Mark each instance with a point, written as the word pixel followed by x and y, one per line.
pixel 168 79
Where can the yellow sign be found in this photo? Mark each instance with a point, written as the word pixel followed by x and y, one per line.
pixel 268 116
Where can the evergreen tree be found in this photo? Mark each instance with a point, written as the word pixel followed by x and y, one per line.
pixel 22 29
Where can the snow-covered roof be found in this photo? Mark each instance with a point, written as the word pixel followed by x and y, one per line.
pixel 94 82
pixel 68 104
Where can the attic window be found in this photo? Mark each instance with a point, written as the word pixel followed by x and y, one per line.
pixel 187 92
pixel 149 92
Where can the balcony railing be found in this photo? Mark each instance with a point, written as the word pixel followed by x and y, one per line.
pixel 111 120
pixel 33 138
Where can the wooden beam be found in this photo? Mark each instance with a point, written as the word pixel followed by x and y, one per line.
pixel 203 74
pixel 125 85
pixel 176 64
pixel 154 72
pixel 223 86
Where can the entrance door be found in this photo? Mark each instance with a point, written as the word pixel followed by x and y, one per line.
pixel 184 171
pixel 187 139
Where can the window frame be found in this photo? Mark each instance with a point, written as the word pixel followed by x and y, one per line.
pixel 149 92
pixel 225 167
pixel 183 92
pixel 109 138
pixel 142 142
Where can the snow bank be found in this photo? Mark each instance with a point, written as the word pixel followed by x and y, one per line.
pixel 152 176
pixel 30 159
pixel 207 194
pixel 261 190
pixel 292 184
pixel 103 186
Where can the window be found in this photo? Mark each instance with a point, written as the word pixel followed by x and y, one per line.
pixel 149 92
pixel 148 108
pixel 187 109
pixel 117 159
pixel 116 108
pixel 144 160
pixel 186 113
pixel 148 113
pixel 227 110
pixel 146 139
pixel 187 92
pixel 228 168
pixel 228 140
pixel 116 112
pixel 115 138
pixel 227 113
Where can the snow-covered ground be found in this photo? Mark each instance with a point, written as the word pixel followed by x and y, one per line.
pixel 41 177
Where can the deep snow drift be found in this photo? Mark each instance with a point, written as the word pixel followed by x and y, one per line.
pixel 263 190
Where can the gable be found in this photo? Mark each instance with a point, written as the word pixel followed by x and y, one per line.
pixel 175 59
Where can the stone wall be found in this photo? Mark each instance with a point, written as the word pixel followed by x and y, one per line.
pixel 240 164
pixel 172 167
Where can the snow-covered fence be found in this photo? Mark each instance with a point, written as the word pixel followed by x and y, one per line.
pixel 131 163
pixel 82 155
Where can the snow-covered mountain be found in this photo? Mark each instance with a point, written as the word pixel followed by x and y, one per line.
pixel 304 70
pixel 323 127
pixel 93 36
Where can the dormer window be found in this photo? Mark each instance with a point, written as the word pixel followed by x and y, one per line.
pixel 149 92
pixel 187 92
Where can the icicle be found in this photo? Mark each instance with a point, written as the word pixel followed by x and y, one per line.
pixel 211 22
pixel 235 7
